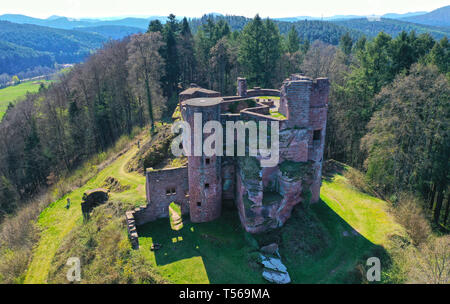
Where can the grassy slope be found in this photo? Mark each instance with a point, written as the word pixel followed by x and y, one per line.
pixel 56 221
pixel 11 93
pixel 367 214
pixel 355 225
pixel 339 232
pixel 358 226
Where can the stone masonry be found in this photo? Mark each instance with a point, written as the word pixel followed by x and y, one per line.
pixel 264 197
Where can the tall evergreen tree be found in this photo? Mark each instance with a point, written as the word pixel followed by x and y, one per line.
pixel 260 51
pixel 186 54
pixel 171 58
pixel 293 42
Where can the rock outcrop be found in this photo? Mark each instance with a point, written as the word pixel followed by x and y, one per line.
pixel 274 270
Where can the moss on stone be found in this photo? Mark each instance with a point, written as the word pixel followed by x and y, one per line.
pixel 250 167
pixel 270 197
pixel 295 170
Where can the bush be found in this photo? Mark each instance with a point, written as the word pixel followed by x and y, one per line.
pixel 18 234
pixel 154 151
pixel 410 215
pixel 359 181
pixel 432 262
pixel 105 252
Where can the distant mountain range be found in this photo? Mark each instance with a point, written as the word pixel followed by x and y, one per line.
pixel 70 23
pixel 27 42
pixel 392 27
pixel 345 17
pixel 439 17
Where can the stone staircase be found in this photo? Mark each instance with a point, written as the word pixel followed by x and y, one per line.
pixel 131 225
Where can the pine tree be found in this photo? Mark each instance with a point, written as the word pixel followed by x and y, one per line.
pixel 293 42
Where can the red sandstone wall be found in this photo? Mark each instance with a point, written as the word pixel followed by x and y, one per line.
pixel 158 201
pixel 205 180
pixel 295 95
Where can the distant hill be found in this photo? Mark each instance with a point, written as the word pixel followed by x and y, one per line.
pixel 15 58
pixel 26 46
pixel 111 31
pixel 391 27
pixel 308 30
pixel 346 17
pixel 438 17
pixel 399 16
pixel 27 42
pixel 70 23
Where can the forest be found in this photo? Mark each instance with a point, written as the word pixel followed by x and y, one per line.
pixel 388 112
pixel 27 43
pixel 388 109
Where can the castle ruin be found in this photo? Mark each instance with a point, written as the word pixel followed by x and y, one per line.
pixel 264 196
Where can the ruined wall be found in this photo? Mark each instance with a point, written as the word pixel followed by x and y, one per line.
pixel 265 198
pixel 318 121
pixel 294 102
pixel 255 92
pixel 164 187
pixel 294 144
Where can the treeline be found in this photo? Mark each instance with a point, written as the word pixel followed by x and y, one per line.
pixel 52 132
pixel 399 136
pixel 392 27
pixel 389 113
pixel 310 30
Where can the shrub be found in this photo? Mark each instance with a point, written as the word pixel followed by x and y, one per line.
pixel 359 181
pixel 432 262
pixel 104 250
pixel 411 216
pixel 154 151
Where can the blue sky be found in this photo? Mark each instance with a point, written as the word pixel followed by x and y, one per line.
pixel 195 8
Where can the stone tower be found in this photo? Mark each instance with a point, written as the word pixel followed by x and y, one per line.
pixel 304 102
pixel 204 172
pixel 241 86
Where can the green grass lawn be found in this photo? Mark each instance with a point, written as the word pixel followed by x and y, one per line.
pixel 10 94
pixel 214 252
pixel 322 243
pixel 56 221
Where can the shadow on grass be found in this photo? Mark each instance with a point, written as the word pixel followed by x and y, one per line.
pixel 344 261
pixel 316 245
pixel 220 244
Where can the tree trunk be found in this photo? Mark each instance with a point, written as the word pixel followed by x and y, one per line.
pixel 150 107
pixel 432 195
pixel 447 209
pixel 437 209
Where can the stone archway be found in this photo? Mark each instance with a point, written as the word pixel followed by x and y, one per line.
pixel 175 216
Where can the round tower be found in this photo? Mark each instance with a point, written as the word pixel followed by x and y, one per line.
pixel 204 172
